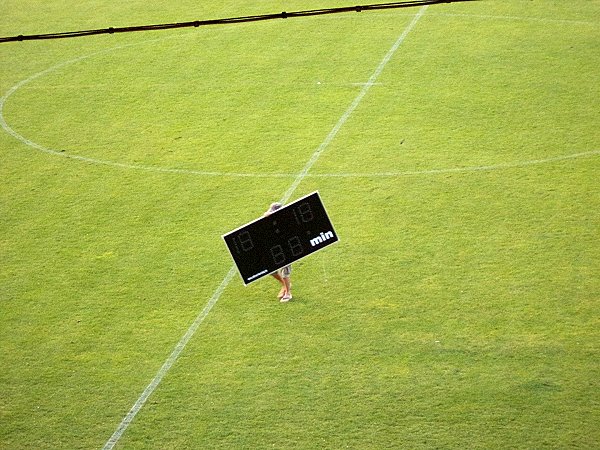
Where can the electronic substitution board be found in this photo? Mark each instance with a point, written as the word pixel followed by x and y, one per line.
pixel 276 240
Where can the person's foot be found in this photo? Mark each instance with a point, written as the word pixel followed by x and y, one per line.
pixel 286 298
pixel 281 293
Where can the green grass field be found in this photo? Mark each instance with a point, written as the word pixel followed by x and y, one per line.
pixel 458 310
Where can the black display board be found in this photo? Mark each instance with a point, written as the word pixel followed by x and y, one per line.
pixel 271 242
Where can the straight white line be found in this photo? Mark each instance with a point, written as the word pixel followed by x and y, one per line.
pixel 332 134
pixel 169 362
pixel 217 294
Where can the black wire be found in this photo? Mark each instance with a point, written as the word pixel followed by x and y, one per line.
pixel 198 23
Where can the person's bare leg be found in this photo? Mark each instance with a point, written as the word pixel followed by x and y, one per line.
pixel 287 295
pixel 284 288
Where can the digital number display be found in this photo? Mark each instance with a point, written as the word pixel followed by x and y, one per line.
pixel 271 242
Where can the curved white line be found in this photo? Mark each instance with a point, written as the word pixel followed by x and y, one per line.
pixel 512 165
pixel 524 18
pixel 6 127
pixel 85 159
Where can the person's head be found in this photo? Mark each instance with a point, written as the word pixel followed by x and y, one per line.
pixel 274 207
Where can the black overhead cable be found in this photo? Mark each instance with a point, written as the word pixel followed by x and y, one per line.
pixel 197 23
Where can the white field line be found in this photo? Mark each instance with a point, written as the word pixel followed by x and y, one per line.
pixel 522 18
pixel 516 164
pixel 217 294
pixel 379 15
pixel 169 362
pixel 7 128
pixel 371 81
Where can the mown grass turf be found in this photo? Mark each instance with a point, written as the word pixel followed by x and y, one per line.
pixel 459 308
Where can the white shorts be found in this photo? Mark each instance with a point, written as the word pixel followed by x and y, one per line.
pixel 285 272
